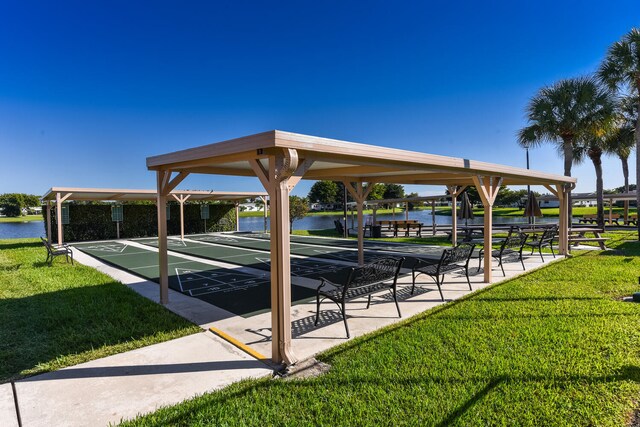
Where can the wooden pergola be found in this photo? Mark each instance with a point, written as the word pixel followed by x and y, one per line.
pixel 281 159
pixel 60 195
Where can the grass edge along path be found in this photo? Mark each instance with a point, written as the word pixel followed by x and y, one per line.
pixel 58 316
pixel 555 346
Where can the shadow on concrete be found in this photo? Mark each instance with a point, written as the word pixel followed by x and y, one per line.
pixel 134 370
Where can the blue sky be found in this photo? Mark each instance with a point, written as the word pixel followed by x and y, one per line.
pixel 88 90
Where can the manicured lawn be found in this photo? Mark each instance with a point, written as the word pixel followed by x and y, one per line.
pixel 62 315
pixel 25 218
pixel 553 347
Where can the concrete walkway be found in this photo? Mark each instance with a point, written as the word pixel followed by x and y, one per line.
pixel 122 386
pixel 140 381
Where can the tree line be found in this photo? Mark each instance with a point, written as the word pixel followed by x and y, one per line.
pixel 15 204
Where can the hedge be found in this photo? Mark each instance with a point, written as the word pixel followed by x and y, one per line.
pixel 93 222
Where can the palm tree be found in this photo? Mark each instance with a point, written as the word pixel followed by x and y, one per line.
pixel 621 141
pixel 621 70
pixel 563 114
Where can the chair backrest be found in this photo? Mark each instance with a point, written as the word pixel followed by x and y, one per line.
pixel 379 270
pixel 549 234
pixel 45 242
pixel 460 253
pixel 514 241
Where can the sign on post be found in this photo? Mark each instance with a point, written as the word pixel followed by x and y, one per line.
pixel 204 211
pixel 116 213
pixel 65 214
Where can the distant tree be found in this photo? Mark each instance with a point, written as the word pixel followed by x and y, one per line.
pixel 324 192
pixel 12 204
pixel 393 191
pixel 377 193
pixel 507 197
pixel 411 204
pixel 340 185
pixel 298 209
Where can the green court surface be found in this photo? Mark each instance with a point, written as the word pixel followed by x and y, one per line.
pixel 240 293
pixel 261 260
pixel 316 251
pixel 405 248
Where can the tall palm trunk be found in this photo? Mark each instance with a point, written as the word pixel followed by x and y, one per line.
pixel 595 154
pixel 637 137
pixel 568 162
pixel 625 173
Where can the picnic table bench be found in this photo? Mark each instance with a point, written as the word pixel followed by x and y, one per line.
pixel 379 275
pixel 578 235
pixel 407 228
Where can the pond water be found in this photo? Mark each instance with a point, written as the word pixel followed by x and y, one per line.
pixel 20 230
pixel 16 230
pixel 424 216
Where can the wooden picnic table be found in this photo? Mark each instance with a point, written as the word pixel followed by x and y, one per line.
pixel 579 235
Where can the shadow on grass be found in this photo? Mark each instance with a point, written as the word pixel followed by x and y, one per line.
pixel 279 390
pixel 39 331
pixel 20 245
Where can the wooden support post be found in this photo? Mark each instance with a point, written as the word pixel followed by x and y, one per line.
pixel 433 217
pixel 406 211
pixel 359 194
pixel 164 187
pixel 488 188
pixel 264 209
pixel 237 216
pixel 49 221
pixel 59 200
pixel 455 191
pixel 563 221
pixel 161 204
pixel 181 199
pixel 284 172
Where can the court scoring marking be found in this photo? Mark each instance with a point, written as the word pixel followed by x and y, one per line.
pixel 197 283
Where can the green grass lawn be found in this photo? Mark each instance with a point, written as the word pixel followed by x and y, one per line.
pixel 25 218
pixel 52 317
pixel 553 347
pixel 578 211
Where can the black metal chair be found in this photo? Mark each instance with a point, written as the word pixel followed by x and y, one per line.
pixel 546 240
pixel 451 260
pixel 56 250
pixel 379 275
pixel 511 247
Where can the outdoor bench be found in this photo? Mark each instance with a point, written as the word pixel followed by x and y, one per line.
pixel 408 228
pixel 379 275
pixel 588 219
pixel 451 260
pixel 55 250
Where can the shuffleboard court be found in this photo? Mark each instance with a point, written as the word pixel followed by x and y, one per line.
pixel 316 251
pixel 405 248
pixel 261 260
pixel 237 292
